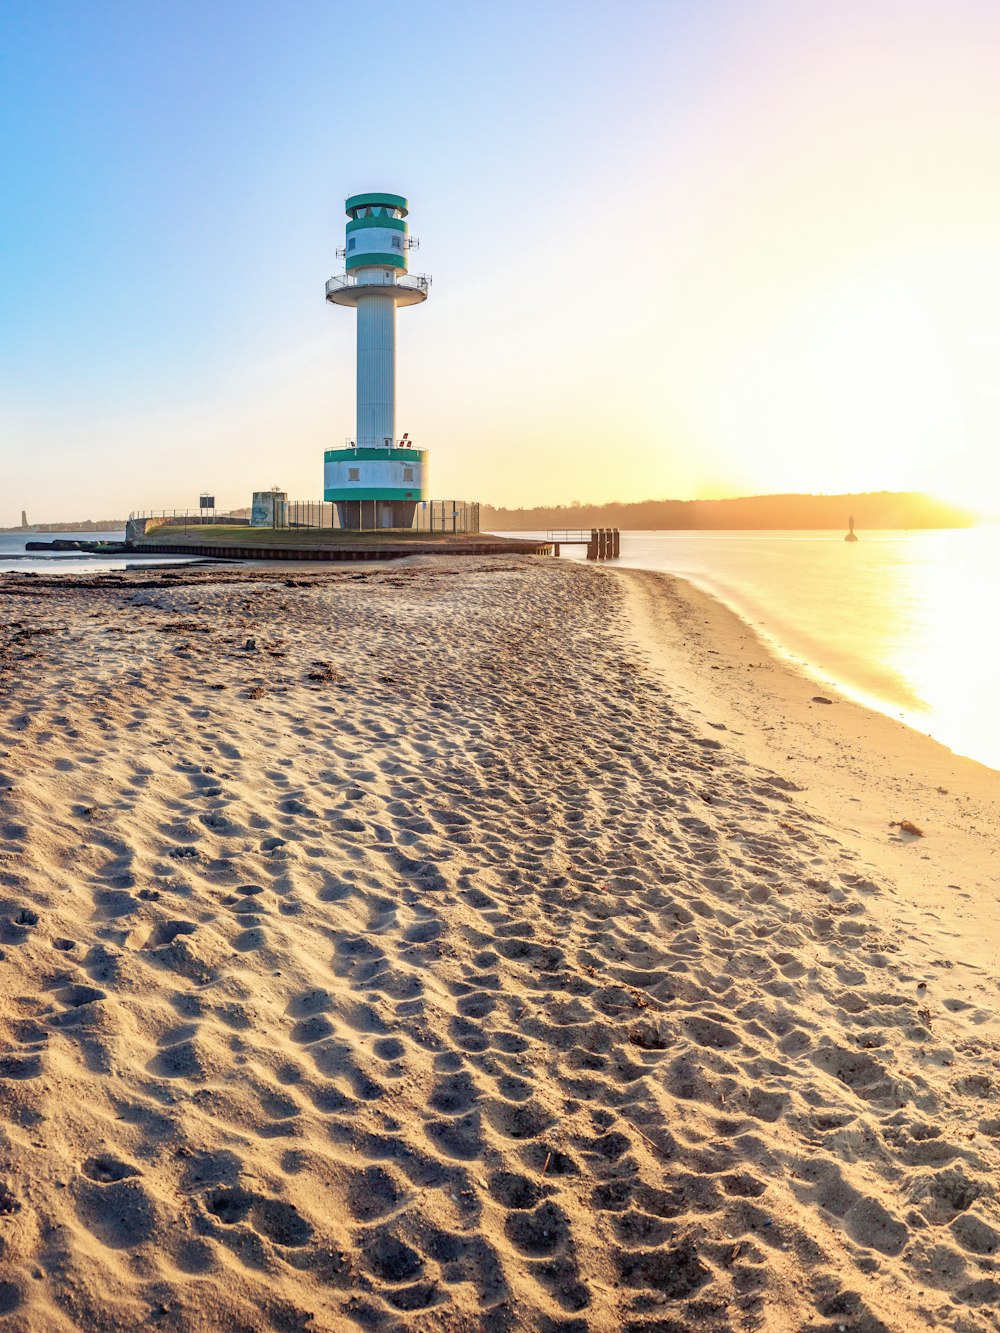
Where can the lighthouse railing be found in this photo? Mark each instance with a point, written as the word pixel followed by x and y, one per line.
pixel 417 282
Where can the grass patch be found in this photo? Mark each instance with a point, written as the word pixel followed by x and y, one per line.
pixel 218 534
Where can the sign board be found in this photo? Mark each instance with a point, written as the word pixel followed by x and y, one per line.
pixel 206 502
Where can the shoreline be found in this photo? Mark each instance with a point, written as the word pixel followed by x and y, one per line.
pixel 884 686
pixel 797 660
pixel 410 947
pixel 860 770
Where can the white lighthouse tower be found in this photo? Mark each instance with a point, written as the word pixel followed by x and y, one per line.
pixel 377 479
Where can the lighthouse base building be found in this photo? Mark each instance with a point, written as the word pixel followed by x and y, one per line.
pixel 375 488
pixel 377 480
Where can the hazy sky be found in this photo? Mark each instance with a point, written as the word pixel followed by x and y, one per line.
pixel 679 249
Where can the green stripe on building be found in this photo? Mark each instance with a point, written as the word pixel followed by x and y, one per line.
pixel 375 201
pixel 376 261
pixel 349 455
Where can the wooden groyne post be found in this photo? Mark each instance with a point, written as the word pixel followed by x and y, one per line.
pixel 601 544
pixel 604 544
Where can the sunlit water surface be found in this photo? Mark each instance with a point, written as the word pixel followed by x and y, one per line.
pixel 905 622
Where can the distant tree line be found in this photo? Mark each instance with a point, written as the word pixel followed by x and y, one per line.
pixel 871 509
pixel 82 525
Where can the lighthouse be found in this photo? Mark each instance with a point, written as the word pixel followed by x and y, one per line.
pixel 377 478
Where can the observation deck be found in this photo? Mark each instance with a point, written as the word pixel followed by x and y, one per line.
pixel 405 288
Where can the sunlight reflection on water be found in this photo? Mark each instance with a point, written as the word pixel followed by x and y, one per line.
pixel 905 622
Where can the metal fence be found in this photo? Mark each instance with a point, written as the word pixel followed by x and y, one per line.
pixel 429 515
pixel 196 518
pixel 444 516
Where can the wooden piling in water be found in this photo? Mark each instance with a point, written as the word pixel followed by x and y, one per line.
pixel 602 544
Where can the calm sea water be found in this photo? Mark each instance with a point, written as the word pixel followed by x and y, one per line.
pixel 905 622
pixel 14 558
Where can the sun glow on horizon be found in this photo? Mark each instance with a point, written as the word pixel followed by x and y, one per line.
pixel 837 297
pixel 741 249
pixel 885 380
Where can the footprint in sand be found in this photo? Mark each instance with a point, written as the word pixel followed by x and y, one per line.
pixel 117 1209
pixel 10 1297
pixel 280 1222
pixel 104 1169
pixel 538 1233
pixel 373 1193
pixel 20 1067
pixel 18 925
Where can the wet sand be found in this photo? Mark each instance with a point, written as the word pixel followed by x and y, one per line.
pixel 422 947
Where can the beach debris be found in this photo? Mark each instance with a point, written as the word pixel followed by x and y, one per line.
pixel 250 646
pixel 821 699
pixel 667 1152
pixel 326 673
pixel 652 1034
pixel 907 826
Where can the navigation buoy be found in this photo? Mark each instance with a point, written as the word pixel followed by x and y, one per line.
pixel 852 536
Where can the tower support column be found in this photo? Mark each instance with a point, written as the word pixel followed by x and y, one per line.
pixel 376 387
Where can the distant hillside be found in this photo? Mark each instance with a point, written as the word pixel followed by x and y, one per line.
pixel 85 525
pixel 872 509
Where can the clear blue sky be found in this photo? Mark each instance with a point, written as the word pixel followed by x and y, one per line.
pixel 635 216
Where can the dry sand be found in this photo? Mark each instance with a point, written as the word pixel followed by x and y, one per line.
pixel 413 948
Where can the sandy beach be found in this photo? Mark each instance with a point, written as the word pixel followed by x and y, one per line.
pixel 479 944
